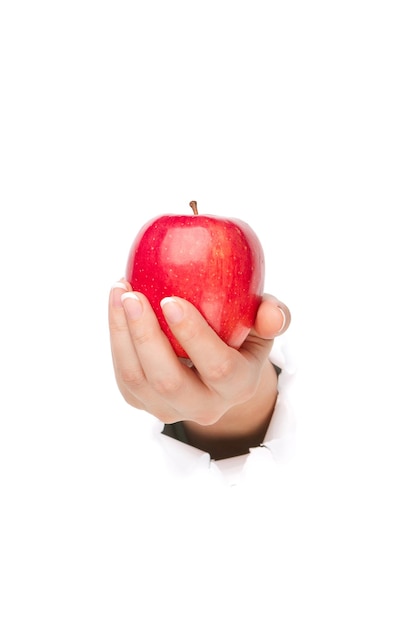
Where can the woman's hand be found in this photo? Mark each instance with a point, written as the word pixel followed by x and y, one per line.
pixel 151 377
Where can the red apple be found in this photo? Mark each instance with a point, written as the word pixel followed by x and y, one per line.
pixel 216 263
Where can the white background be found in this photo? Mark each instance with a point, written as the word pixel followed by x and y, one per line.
pixel 299 118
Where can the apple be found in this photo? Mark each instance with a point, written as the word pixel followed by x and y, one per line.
pixel 216 263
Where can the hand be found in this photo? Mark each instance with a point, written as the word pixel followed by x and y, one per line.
pixel 151 377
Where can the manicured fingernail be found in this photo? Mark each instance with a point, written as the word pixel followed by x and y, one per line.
pixel 119 285
pixel 172 310
pixel 132 305
pixel 116 295
pixel 284 318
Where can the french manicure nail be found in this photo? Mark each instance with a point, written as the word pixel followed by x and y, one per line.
pixel 172 310
pixel 284 318
pixel 119 285
pixel 132 305
pixel 115 294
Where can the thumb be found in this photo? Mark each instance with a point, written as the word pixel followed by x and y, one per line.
pixel 273 318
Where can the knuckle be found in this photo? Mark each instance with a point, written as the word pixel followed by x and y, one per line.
pixel 220 372
pixel 130 377
pixel 167 385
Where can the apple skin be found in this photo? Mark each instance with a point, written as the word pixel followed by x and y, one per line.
pixel 215 263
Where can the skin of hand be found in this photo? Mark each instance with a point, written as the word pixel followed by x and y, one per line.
pixel 225 399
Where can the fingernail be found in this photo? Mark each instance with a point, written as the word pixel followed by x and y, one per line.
pixel 116 295
pixel 284 318
pixel 119 285
pixel 132 305
pixel 171 310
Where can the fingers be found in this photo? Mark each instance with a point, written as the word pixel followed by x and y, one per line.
pixel 160 365
pixel 126 364
pixel 148 373
pixel 167 388
pixel 221 368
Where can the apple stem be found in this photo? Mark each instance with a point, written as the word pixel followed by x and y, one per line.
pixel 194 207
